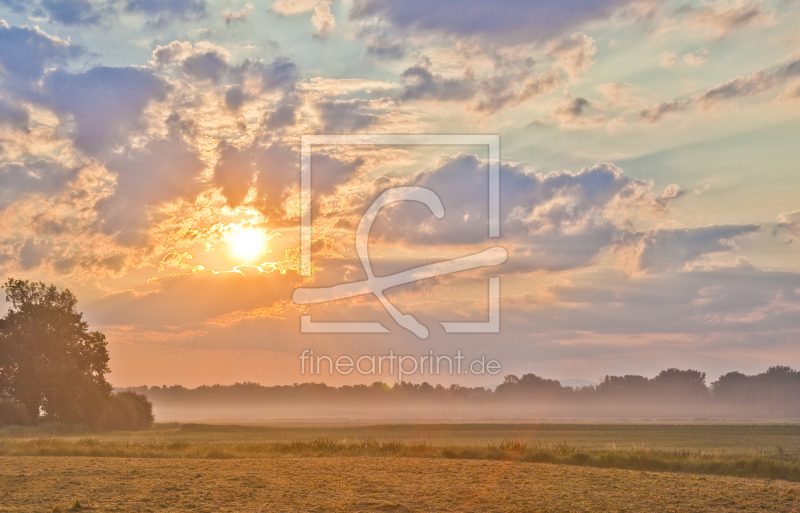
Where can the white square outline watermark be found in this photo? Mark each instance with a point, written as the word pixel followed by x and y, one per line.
pixel 306 143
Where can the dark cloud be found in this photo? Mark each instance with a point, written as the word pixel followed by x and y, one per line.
pixel 163 170
pixel 234 172
pixel 345 116
pixel 421 84
pixel 105 103
pixel 15 5
pixel 380 44
pixel 205 61
pixel 26 52
pixel 32 253
pixel 283 116
pixel 574 108
pixel 557 221
pixel 47 225
pixel 273 169
pixel 19 180
pixel 506 20
pixel 160 13
pixel 385 49
pixel 281 73
pixel 201 61
pixel 532 204
pixel 73 12
pixel 747 306
pixel 511 80
pixel 235 98
pixel 738 87
pixel 210 65
pixel 14 115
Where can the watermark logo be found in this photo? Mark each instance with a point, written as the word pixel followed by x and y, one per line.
pixel 399 367
pixel 376 285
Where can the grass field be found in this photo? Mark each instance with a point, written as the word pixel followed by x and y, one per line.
pixel 445 467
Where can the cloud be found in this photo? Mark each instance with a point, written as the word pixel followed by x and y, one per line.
pixel 790 222
pixel 241 15
pixel 421 84
pixel 202 61
pixel 662 250
pixel 345 116
pixel 723 16
pixel 26 52
pixel 14 115
pixel 235 97
pixel 202 295
pixel 284 115
pixel 573 113
pixel 379 43
pixel 32 253
pixel 323 20
pixel 691 59
pixel 209 65
pixel 743 305
pixel 272 169
pixel 234 172
pixel 105 103
pixel 574 54
pixel 161 171
pixel 668 59
pixel 206 61
pixel 73 12
pixel 509 83
pixel 281 73
pixel 15 5
pixel 160 13
pixel 738 87
pixel 41 176
pixel 548 217
pixel 792 91
pixel 504 21
pixel 695 59
pixel 616 93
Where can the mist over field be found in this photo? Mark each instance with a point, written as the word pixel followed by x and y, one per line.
pixel 672 395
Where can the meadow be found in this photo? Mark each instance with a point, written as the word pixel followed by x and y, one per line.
pixel 425 467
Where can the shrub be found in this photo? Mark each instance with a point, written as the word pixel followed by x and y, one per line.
pixel 13 413
pixel 128 411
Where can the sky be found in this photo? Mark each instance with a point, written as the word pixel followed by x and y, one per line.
pixel 649 185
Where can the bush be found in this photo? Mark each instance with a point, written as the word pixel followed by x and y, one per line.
pixel 13 413
pixel 128 411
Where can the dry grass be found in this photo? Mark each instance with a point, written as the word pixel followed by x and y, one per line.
pixel 482 467
pixel 347 484
pixel 753 464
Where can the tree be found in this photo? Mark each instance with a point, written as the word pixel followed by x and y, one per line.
pixel 128 411
pixel 677 386
pixel 49 361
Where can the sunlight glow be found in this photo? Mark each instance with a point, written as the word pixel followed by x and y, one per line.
pixel 247 244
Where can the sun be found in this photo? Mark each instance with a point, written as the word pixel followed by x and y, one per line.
pixel 247 244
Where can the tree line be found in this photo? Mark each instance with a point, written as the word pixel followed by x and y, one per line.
pixel 774 394
pixel 52 368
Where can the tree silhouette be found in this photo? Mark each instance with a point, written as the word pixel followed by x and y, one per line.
pixel 49 361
